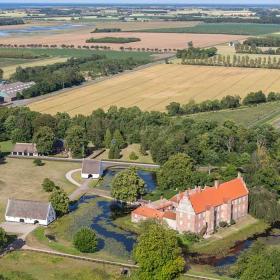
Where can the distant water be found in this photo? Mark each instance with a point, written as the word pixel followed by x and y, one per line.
pixel 37 28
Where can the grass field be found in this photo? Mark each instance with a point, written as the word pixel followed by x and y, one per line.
pixel 44 267
pixel 82 53
pixel 247 116
pixel 20 178
pixel 9 70
pixel 155 87
pixel 222 28
pixel 59 55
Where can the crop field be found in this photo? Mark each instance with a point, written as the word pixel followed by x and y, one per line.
pixel 155 87
pixel 136 25
pixel 223 28
pixel 148 40
pixel 246 116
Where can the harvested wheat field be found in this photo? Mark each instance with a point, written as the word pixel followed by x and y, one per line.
pixel 148 40
pixel 155 87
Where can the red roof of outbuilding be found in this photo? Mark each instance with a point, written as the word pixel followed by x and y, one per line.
pixel 215 196
pixel 148 212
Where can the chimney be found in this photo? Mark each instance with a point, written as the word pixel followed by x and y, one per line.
pixel 239 175
pixel 216 184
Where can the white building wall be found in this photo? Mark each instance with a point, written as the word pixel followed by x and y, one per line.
pixel 26 220
pixel 92 176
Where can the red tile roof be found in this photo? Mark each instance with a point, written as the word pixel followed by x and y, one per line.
pixel 169 215
pixel 148 212
pixel 212 196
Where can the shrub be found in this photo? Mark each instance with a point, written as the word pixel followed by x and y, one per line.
pixel 189 237
pixel 3 238
pixel 133 156
pixel 85 240
pixel 232 222
pixel 48 185
pixel 223 224
pixel 38 162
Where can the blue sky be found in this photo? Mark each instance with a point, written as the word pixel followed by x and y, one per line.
pixel 149 1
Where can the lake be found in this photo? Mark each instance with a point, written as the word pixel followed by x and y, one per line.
pixel 21 30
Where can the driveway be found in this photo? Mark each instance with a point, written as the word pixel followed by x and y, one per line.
pixel 21 230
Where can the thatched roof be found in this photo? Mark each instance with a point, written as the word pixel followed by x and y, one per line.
pixel 28 209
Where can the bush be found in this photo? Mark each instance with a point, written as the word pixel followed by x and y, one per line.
pixel 85 240
pixel 38 162
pixel 133 156
pixel 3 238
pixel 232 222
pixel 189 238
pixel 223 224
pixel 48 185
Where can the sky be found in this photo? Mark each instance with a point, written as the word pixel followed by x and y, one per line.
pixel 149 1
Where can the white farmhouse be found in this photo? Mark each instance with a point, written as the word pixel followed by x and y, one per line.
pixel 91 169
pixel 25 149
pixel 29 212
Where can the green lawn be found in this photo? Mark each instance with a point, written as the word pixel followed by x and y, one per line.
pixel 31 266
pixel 223 28
pixel 247 116
pixel 83 53
pixel 21 179
pixel 4 62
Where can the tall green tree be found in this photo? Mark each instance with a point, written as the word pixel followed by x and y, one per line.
pixel 76 141
pixel 59 201
pixel 176 173
pixel 44 139
pixel 127 185
pixel 118 139
pixel 158 254
pixel 108 139
pixel 263 204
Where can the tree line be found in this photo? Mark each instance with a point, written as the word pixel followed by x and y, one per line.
pixel 227 102
pixel 236 61
pixel 58 76
pixel 269 41
pixel 242 48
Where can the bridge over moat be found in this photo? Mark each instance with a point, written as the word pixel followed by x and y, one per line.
pixel 96 168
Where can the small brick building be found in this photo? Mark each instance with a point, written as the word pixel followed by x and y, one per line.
pixel 199 210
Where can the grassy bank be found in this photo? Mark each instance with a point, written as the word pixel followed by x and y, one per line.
pixel 59 235
pixel 221 243
pixel 31 266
